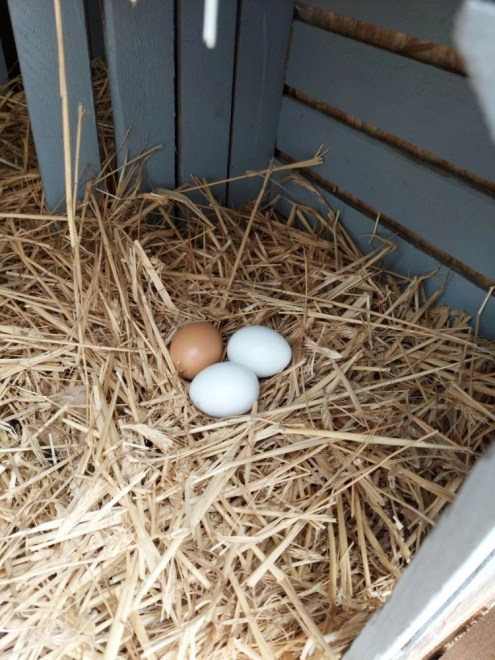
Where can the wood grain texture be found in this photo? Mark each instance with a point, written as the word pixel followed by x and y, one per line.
pixel 478 642
pixel 263 39
pixel 449 558
pixel 206 85
pixel 33 23
pixel 475 596
pixel 427 19
pixel 430 108
pixel 140 54
pixel 443 211
pixel 406 260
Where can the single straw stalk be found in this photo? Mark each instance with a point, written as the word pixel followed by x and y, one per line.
pixel 69 196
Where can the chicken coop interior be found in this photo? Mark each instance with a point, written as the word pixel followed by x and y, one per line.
pixel 322 168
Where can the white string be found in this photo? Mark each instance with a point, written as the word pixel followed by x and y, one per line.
pixel 210 23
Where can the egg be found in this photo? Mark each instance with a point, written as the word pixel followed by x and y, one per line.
pixel 261 349
pixel 225 389
pixel 194 347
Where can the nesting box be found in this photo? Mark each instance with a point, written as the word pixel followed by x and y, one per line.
pixel 379 92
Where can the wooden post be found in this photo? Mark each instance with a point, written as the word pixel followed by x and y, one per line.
pixel 140 52
pixel 33 23
pixel 205 87
pixel 262 46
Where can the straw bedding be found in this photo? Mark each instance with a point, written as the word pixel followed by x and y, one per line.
pixel 135 527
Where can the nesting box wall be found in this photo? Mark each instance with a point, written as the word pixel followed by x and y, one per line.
pixel 376 82
pixel 213 113
pixel 381 86
pixel 35 33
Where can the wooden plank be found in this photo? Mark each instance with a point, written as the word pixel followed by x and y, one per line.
pixel 473 598
pixel 421 50
pixel 426 19
pixel 206 84
pixel 262 45
pixel 449 558
pixel 432 109
pixel 478 642
pixel 407 260
pixel 440 209
pixel 34 28
pixel 140 52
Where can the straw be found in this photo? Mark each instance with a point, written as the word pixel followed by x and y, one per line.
pixel 135 526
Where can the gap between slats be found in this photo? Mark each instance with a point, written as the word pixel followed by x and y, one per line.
pixel 481 184
pixel 443 57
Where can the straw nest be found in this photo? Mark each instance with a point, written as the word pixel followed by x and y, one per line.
pixel 135 527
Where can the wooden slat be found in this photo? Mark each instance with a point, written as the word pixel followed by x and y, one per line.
pixel 140 51
pixel 421 50
pixel 206 83
pixel 447 562
pixel 432 109
pixel 443 211
pixel 406 260
pixel 34 28
pixel 474 597
pixel 478 642
pixel 262 44
pixel 426 19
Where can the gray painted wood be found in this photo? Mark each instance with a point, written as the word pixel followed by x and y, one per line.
pixel 430 108
pixel 140 54
pixel 440 209
pixel 34 28
pixel 460 545
pixel 264 30
pixel 406 260
pixel 426 19
pixel 4 75
pixel 206 85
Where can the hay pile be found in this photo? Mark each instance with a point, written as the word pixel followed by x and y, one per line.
pixel 134 527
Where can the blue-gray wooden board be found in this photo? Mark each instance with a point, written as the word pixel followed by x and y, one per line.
pixel 406 260
pixel 205 92
pixel 140 53
pixel 449 214
pixel 34 28
pixel 263 35
pixel 430 108
pixel 426 19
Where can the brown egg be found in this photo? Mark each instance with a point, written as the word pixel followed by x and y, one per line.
pixel 195 347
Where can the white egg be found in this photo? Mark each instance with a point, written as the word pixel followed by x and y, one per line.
pixel 225 389
pixel 261 349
